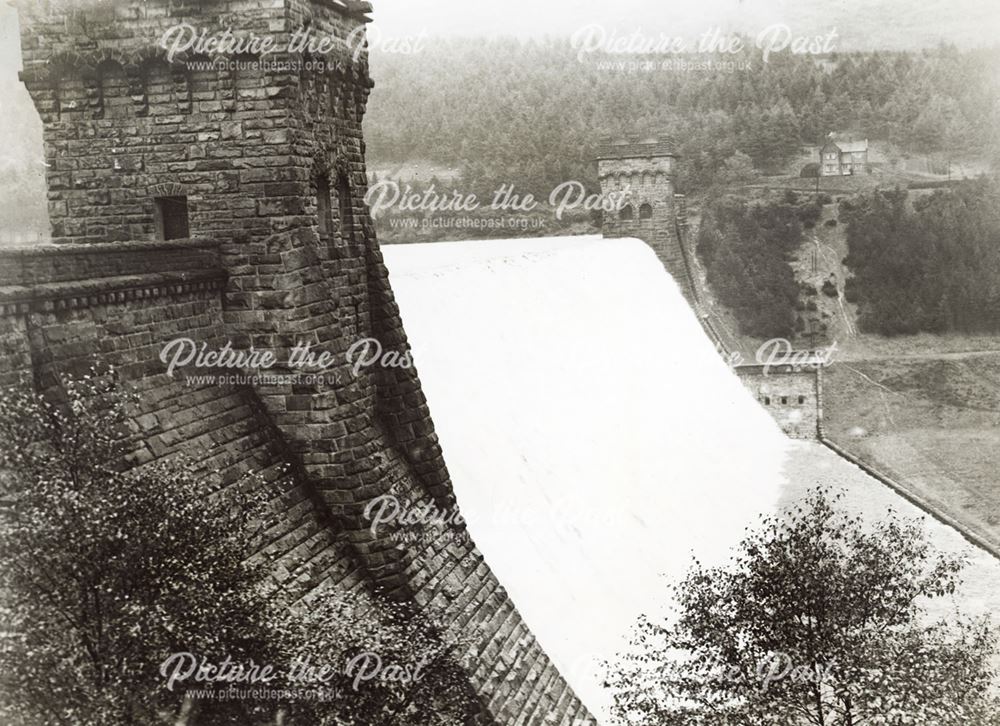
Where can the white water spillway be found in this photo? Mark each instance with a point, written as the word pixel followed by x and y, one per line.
pixel 595 438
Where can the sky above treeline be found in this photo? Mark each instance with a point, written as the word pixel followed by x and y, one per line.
pixel 859 24
pixel 862 24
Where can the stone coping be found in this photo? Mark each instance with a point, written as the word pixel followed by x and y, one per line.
pixel 78 294
pixel 80 262
pixel 104 248
pixel 636 148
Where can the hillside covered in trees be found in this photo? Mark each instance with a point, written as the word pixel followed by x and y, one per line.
pixel 927 264
pixel 532 113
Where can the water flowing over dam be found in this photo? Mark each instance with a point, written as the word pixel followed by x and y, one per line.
pixel 596 439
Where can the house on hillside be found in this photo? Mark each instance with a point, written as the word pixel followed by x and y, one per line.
pixel 843 158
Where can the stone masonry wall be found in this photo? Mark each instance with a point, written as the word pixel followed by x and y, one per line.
pixel 59 317
pixel 792 396
pixel 270 158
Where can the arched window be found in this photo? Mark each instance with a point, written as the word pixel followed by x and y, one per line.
pixel 626 214
pixel 802 399
pixel 645 212
pixel 247 78
pixel 159 87
pixel 113 90
pixel 784 400
pixel 70 95
pixel 203 80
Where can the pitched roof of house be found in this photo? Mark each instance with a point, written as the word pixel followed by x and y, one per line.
pixel 849 146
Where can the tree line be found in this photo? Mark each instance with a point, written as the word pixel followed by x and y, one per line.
pixel 532 113
pixel 925 263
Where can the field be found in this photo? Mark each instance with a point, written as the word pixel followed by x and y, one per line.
pixel 929 420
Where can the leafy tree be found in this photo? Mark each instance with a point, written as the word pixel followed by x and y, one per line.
pixel 819 619
pixel 395 667
pixel 109 572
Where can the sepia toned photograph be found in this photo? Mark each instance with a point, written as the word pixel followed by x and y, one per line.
pixel 462 363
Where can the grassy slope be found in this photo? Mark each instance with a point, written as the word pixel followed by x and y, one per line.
pixel 932 423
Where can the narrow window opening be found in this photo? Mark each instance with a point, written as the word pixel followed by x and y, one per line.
pixel 324 212
pixel 626 214
pixel 171 217
pixel 645 212
pixel 802 399
pixel 346 211
pixel 767 400
pixel 784 400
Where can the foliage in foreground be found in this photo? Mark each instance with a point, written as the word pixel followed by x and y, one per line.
pixel 820 620
pixel 107 572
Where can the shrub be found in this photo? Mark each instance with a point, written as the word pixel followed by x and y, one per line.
pixel 106 572
pixel 851 290
pixel 809 214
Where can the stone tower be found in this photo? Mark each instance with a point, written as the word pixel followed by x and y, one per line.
pixel 221 198
pixel 645 170
pixel 263 154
